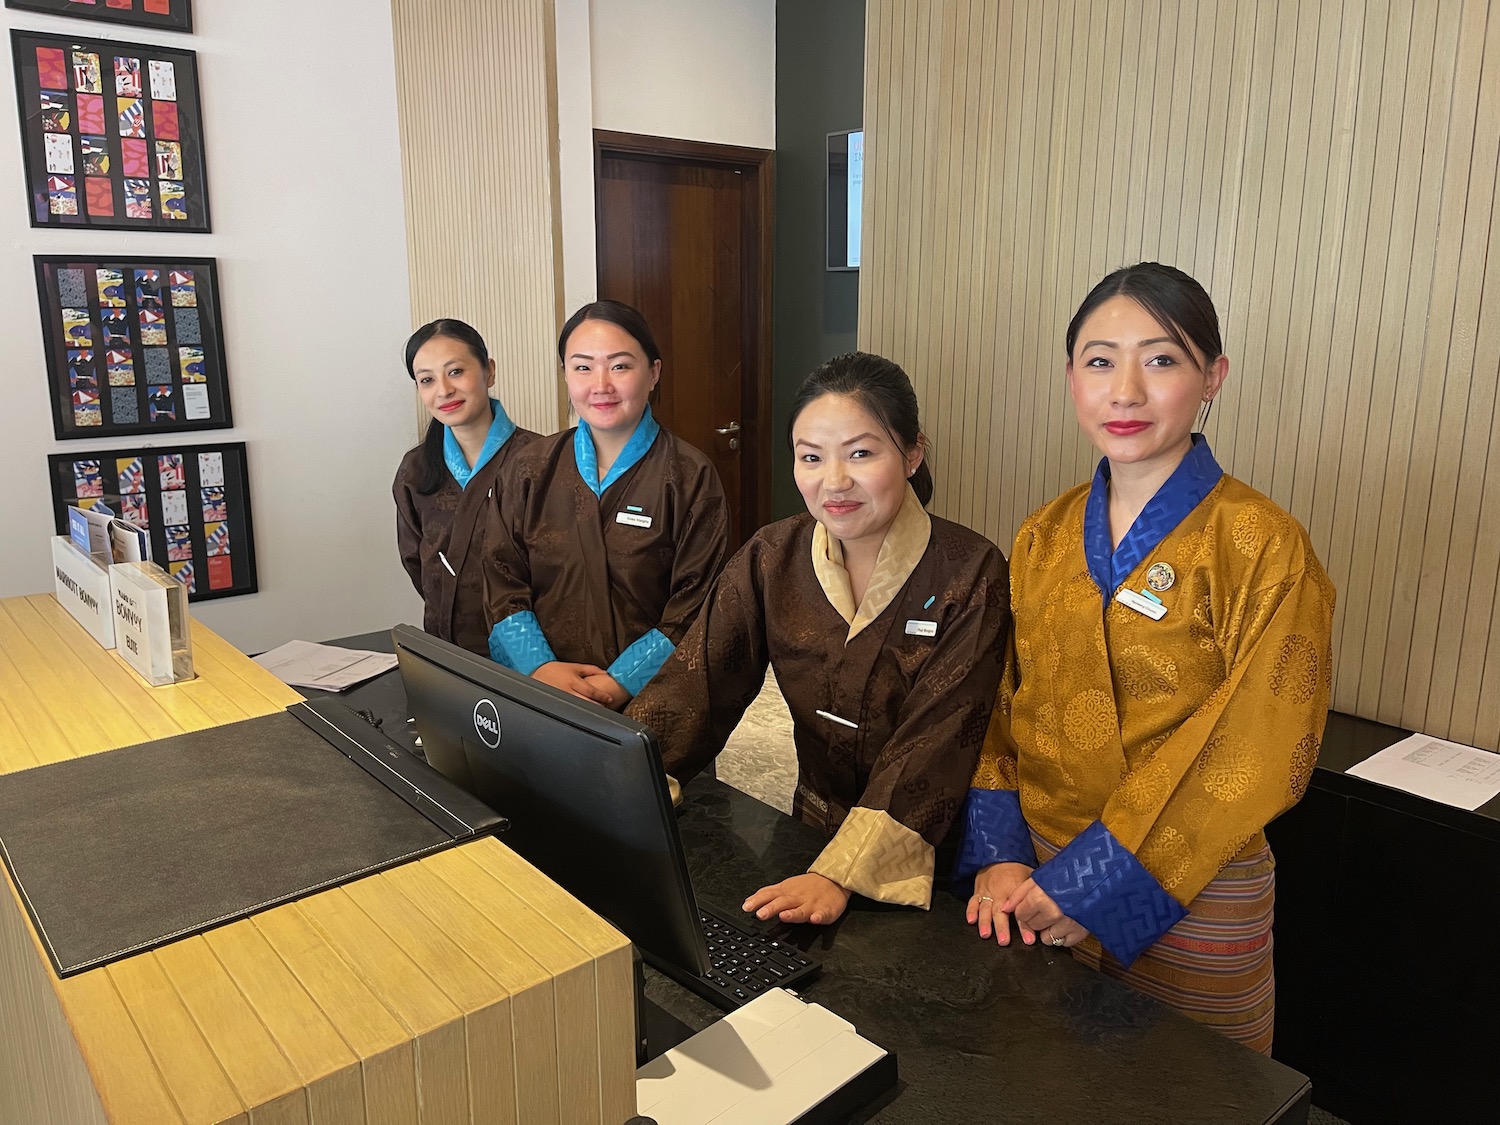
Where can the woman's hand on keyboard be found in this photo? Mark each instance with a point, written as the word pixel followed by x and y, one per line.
pixel 802 898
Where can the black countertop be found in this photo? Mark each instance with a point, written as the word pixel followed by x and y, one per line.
pixel 981 1034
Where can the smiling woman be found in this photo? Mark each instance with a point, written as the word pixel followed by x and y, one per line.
pixel 605 538
pixel 443 486
pixel 1168 686
pixel 884 630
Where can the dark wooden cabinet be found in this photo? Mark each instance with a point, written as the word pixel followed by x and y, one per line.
pixel 1387 910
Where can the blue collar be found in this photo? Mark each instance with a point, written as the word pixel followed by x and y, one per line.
pixel 501 427
pixel 1183 491
pixel 587 456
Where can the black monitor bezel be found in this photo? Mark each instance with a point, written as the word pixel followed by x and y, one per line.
pixel 668 927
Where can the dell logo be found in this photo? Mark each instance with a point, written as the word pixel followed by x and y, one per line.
pixel 487 723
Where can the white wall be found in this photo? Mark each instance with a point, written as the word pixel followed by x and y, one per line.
pixel 305 189
pixel 575 154
pixel 703 70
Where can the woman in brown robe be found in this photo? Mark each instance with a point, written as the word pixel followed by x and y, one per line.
pixel 607 536
pixel 443 486
pixel 884 626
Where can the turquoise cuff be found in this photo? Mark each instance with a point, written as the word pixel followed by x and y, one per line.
pixel 634 667
pixel 518 643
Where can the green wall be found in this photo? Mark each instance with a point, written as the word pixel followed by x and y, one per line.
pixel 820 75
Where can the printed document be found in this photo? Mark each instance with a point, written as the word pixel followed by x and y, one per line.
pixel 1463 776
pixel 324 667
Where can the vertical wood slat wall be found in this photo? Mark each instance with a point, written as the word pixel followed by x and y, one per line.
pixel 1327 169
pixel 476 94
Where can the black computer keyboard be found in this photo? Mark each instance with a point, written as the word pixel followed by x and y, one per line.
pixel 745 963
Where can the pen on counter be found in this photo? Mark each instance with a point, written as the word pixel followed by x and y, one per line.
pixel 835 719
pixel 447 565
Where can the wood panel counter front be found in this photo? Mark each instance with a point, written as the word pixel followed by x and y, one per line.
pixel 465 987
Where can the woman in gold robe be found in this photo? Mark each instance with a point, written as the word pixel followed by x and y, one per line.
pixel 444 486
pixel 604 539
pixel 1168 685
pixel 884 626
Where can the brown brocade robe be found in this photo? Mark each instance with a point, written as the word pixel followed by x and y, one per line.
pixel 597 584
pixel 450 522
pixel 889 788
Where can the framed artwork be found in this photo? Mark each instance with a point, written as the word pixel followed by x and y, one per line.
pixel 133 345
pixel 170 15
pixel 192 500
pixel 112 134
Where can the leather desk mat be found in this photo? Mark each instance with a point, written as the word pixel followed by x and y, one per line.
pixel 123 851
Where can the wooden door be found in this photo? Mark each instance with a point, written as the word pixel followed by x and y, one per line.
pixel 684 235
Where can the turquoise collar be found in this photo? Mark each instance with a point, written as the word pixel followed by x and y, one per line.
pixel 587 456
pixel 501 427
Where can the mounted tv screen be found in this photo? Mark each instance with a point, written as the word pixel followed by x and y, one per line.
pixel 846 182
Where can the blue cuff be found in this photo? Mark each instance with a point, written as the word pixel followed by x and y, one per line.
pixel 995 831
pixel 1099 884
pixel 634 667
pixel 517 642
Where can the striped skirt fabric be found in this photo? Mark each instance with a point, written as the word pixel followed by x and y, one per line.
pixel 1215 964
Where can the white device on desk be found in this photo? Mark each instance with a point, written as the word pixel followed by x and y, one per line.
pixel 773 1061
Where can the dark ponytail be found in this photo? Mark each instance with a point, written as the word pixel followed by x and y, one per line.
pixel 882 388
pixel 434 469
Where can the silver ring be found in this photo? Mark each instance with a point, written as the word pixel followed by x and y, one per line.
pixel 985 898
pixel 1056 941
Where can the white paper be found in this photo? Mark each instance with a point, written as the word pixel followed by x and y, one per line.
pixel 1463 776
pixel 324 667
pixel 195 401
pixel 163 80
pixel 59 150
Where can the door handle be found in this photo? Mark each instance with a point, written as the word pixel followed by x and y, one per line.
pixel 732 428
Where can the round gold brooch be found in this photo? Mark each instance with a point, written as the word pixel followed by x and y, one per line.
pixel 1161 576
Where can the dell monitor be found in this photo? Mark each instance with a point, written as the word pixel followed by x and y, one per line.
pixel 582 787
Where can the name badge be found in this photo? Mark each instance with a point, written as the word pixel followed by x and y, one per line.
pixel 1142 604
pixel 921 628
pixel 633 519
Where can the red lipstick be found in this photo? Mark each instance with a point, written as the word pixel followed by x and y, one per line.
pixel 1124 428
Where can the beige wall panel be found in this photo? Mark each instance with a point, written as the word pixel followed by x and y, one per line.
pixel 1327 169
pixel 1455 140
pixel 476 97
pixel 43 1077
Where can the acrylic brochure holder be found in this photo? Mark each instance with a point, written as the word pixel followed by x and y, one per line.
pixel 82 588
pixel 151 622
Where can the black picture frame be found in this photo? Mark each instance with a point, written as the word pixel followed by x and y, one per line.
pixel 134 345
pixel 136 482
pixel 178 14
pixel 76 97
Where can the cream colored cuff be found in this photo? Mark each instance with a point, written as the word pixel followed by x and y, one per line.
pixel 674 789
pixel 875 855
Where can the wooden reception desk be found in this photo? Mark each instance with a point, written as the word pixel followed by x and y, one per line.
pixel 463 987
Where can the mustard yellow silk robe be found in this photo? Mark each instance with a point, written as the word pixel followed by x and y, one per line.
pixel 1183 736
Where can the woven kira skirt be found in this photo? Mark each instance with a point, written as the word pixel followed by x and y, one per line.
pixel 1215 964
